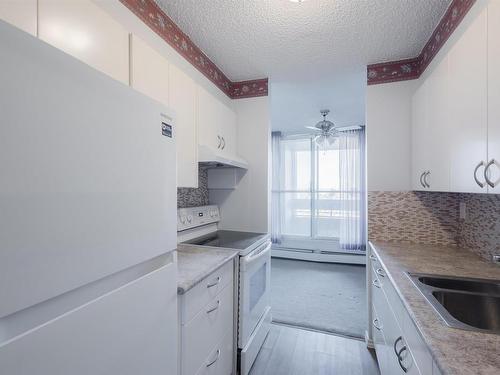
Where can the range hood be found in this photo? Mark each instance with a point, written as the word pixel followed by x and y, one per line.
pixel 208 157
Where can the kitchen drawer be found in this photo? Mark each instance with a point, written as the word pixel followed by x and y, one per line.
pixel 220 360
pixel 392 297
pixel 200 295
pixel 417 346
pixel 206 329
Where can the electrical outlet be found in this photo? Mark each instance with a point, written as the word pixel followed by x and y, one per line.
pixel 463 211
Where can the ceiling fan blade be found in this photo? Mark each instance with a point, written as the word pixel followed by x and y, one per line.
pixel 313 128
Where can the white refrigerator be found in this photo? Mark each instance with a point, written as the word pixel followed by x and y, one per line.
pixel 87 219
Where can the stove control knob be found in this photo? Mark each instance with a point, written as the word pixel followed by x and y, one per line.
pixel 211 213
pixel 190 218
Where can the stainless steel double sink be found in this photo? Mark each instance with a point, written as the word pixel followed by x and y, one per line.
pixel 464 303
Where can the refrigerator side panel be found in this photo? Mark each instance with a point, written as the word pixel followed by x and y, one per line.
pixel 87 174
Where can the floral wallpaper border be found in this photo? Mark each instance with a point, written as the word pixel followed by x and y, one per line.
pixel 408 69
pixel 153 16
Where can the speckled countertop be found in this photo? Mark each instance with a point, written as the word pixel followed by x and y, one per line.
pixel 455 351
pixel 195 263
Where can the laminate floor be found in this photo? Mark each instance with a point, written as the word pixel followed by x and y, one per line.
pixel 294 351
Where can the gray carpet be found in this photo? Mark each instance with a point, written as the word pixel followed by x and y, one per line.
pixel 324 296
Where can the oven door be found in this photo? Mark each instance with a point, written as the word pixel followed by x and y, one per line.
pixel 255 275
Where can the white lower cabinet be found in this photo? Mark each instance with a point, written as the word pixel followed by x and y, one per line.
pixel 399 347
pixel 206 325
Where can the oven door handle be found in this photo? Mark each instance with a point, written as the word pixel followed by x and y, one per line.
pixel 248 261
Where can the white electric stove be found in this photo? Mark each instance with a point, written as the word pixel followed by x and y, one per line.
pixel 198 226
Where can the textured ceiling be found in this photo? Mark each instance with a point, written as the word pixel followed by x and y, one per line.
pixel 309 45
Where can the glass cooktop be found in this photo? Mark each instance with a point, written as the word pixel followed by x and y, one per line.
pixel 228 239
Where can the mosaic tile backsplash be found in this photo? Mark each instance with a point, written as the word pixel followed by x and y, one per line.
pixel 433 219
pixel 188 197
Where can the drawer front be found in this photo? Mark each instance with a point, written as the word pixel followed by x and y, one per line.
pixel 417 346
pixel 220 360
pixel 201 335
pixel 195 299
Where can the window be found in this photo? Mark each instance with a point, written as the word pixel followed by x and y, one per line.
pixel 312 204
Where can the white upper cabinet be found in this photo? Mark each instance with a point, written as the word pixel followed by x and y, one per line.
pixel 419 137
pixel 455 112
pixel 436 144
pixel 85 31
pixel 182 91
pixel 149 71
pixel 20 13
pixel 468 108
pixel 494 95
pixel 216 124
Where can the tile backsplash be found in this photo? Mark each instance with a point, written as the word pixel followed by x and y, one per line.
pixel 189 197
pixel 433 219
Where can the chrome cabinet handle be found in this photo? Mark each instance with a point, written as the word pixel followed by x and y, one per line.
pixel 373 257
pixel 380 272
pixel 480 184
pixel 375 324
pixel 220 141
pixel 213 308
pixel 376 283
pixel 223 143
pixel 214 283
pixel 421 182
pixel 426 174
pixel 488 181
pixel 215 360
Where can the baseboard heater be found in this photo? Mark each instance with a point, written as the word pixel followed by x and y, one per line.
pixel 319 256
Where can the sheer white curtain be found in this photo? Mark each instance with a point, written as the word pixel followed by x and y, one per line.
pixel 276 187
pixel 352 190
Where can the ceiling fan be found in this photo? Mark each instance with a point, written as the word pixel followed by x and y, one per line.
pixel 328 132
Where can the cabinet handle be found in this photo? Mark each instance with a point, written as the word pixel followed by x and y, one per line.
pixel 223 143
pixel 376 283
pixel 375 324
pixel 380 272
pixel 400 338
pixel 426 174
pixel 488 181
pixel 213 308
pixel 373 257
pixel 215 360
pixel 421 182
pixel 481 184
pixel 400 360
pixel 214 283
pixel 220 141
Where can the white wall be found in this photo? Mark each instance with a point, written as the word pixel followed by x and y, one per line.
pixel 388 136
pixel 247 207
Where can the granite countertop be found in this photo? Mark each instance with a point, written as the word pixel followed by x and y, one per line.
pixel 455 351
pixel 195 263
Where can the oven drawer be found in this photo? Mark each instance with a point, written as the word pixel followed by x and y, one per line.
pixel 196 298
pixel 220 360
pixel 201 335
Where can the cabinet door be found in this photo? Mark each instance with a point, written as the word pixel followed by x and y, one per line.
pixel 85 31
pixel 149 71
pixel 209 118
pixel 468 107
pixel 183 101
pixel 419 136
pixel 20 13
pixel 494 93
pixel 437 146
pixel 228 130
